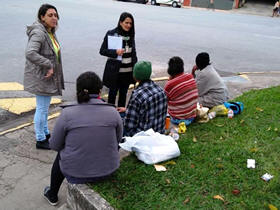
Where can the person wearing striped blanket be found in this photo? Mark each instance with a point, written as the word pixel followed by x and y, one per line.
pixel 182 93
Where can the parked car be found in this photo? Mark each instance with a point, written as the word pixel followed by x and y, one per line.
pixel 173 3
pixel 136 1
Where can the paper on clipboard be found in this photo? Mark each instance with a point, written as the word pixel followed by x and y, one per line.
pixel 114 43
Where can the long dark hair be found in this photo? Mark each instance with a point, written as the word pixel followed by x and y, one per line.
pixel 87 83
pixel 123 16
pixel 43 10
pixel 175 66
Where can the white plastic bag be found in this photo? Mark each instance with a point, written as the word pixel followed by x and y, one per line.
pixel 151 147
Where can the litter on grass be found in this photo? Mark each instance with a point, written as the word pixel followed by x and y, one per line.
pixel 219 197
pixel 266 177
pixel 175 136
pixel 194 139
pixel 259 109
pixel 271 207
pixel 201 114
pixel 236 192
pixel 219 110
pixel 254 150
pixel 182 127
pixel 171 162
pixel 186 200
pixel 251 163
pixel 173 132
pixel 160 168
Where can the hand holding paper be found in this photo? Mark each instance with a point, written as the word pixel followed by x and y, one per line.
pixel 120 52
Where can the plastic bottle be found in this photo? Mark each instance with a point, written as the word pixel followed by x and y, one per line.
pixel 167 123
pixel 211 115
pixel 174 134
pixel 230 113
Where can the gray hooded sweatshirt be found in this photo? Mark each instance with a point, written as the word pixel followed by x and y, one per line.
pixel 212 90
pixel 86 137
pixel 40 57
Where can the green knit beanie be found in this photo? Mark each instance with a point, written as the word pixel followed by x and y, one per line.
pixel 142 70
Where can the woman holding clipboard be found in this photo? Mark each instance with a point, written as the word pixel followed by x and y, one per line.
pixel 119 47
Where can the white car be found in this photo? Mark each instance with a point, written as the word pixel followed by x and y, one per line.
pixel 173 3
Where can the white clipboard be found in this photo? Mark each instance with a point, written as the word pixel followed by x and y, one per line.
pixel 114 43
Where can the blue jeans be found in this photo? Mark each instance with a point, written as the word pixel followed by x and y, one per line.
pixel 177 121
pixel 41 117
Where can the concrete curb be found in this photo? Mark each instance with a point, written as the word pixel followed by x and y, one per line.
pixel 80 196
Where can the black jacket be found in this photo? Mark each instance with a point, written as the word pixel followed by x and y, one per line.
pixel 111 76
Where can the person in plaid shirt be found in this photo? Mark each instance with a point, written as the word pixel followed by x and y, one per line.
pixel 147 106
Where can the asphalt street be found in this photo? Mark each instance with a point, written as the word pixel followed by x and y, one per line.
pixel 236 42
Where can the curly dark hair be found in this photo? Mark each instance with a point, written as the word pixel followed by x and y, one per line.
pixel 202 60
pixel 175 66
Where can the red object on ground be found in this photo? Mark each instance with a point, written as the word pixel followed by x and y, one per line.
pixel 236 4
pixel 186 2
pixel 235 192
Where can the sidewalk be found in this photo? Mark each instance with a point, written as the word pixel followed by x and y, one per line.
pixel 251 8
pixel 25 171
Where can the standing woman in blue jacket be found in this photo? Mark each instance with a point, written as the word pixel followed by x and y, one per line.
pixel 43 74
pixel 118 73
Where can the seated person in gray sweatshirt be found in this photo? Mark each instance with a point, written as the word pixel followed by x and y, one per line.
pixel 86 137
pixel 212 90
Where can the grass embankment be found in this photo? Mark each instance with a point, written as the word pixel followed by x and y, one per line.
pixel 213 162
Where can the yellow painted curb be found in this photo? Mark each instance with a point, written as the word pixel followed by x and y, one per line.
pixel 160 79
pixel 27 124
pixel 154 79
pixel 10 86
pixel 244 76
pixel 16 128
pixel 54 115
pixel 21 105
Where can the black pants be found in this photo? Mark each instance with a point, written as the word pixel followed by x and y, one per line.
pixel 57 177
pixel 122 95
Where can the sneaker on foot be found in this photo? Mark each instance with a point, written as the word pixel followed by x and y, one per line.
pixel 53 200
pixel 43 144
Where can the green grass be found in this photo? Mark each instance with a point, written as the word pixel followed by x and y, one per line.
pixel 214 165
